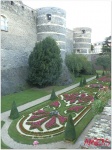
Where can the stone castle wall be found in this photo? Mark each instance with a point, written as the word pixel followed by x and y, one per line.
pixel 27 26
pixel 17 43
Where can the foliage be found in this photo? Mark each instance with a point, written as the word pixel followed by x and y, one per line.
pixel 92 47
pixel 97 107
pixel 53 95
pixel 97 76
pixel 14 111
pixel 110 85
pixel 106 48
pixel 70 133
pixel 45 63
pixel 104 61
pixel 96 96
pixel 78 64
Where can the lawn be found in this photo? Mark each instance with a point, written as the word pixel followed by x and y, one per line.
pixel 31 94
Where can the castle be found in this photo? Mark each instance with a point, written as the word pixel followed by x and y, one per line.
pixel 22 27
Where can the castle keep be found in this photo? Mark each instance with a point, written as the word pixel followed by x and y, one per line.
pixel 22 27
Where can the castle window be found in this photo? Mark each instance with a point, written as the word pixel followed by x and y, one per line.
pixel 49 17
pixel 78 51
pixel 4 25
pixel 23 7
pixel 12 3
pixel 83 31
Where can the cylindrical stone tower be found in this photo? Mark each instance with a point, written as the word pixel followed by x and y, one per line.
pixel 51 21
pixel 82 40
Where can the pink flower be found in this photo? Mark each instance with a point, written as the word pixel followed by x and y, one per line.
pixel 51 123
pixel 55 104
pixel 62 119
pixel 75 108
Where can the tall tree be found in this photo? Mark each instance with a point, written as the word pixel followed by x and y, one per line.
pixel 45 63
pixel 70 133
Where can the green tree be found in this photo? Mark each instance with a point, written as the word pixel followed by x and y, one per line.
pixel 53 95
pixel 103 73
pixel 70 133
pixel 14 111
pixel 45 63
pixel 106 48
pixel 104 61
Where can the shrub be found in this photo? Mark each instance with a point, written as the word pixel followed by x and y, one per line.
pixel 103 73
pixel 97 76
pixel 84 81
pixel 53 95
pixel 97 106
pixel 70 133
pixel 45 63
pixel 14 111
pixel 81 83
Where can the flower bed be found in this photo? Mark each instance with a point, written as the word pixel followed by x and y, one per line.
pixel 51 123
pixel 62 119
pixel 40 111
pixel 55 104
pixel 75 108
pixel 69 97
pixel 38 124
pixel 96 85
pixel 105 79
pixel 36 117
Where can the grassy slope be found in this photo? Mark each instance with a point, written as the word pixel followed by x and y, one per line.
pixel 30 95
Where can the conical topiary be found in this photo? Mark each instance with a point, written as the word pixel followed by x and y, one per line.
pixel 103 73
pixel 53 95
pixel 97 76
pixel 14 111
pixel 70 133
pixel 96 96
pixel 81 83
pixel 110 85
pixel 84 81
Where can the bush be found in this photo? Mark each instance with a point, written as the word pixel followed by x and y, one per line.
pixel 103 73
pixel 97 106
pixel 53 95
pixel 97 76
pixel 14 111
pixel 81 83
pixel 84 81
pixel 45 63
pixel 70 133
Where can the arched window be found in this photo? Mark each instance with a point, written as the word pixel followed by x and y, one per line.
pixel 4 25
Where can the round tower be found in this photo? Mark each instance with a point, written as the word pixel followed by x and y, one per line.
pixel 51 21
pixel 82 40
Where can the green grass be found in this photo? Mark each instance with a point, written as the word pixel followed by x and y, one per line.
pixel 3 146
pixel 29 95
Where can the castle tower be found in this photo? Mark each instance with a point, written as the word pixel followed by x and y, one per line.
pixel 51 21
pixel 82 40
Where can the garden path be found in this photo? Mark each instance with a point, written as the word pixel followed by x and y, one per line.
pixel 13 144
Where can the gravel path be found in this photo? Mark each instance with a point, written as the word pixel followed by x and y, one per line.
pixel 13 144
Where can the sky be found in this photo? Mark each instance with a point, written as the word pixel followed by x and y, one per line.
pixel 95 14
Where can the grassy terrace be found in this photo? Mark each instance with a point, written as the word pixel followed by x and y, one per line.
pixel 31 94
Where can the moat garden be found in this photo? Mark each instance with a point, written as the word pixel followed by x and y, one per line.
pixel 46 122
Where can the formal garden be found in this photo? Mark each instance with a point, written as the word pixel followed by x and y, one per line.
pixel 62 117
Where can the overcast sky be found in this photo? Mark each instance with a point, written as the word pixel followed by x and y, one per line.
pixel 95 14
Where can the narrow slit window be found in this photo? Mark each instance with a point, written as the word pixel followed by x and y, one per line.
pixel 12 3
pixel 83 31
pixel 48 17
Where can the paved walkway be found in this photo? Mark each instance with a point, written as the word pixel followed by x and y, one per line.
pixel 13 144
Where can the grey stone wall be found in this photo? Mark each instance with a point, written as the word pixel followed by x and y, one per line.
pixel 16 45
pixel 69 40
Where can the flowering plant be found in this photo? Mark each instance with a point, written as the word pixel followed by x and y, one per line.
pixel 75 108
pixel 62 119
pixel 105 79
pixel 51 123
pixel 55 104
pixel 96 85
